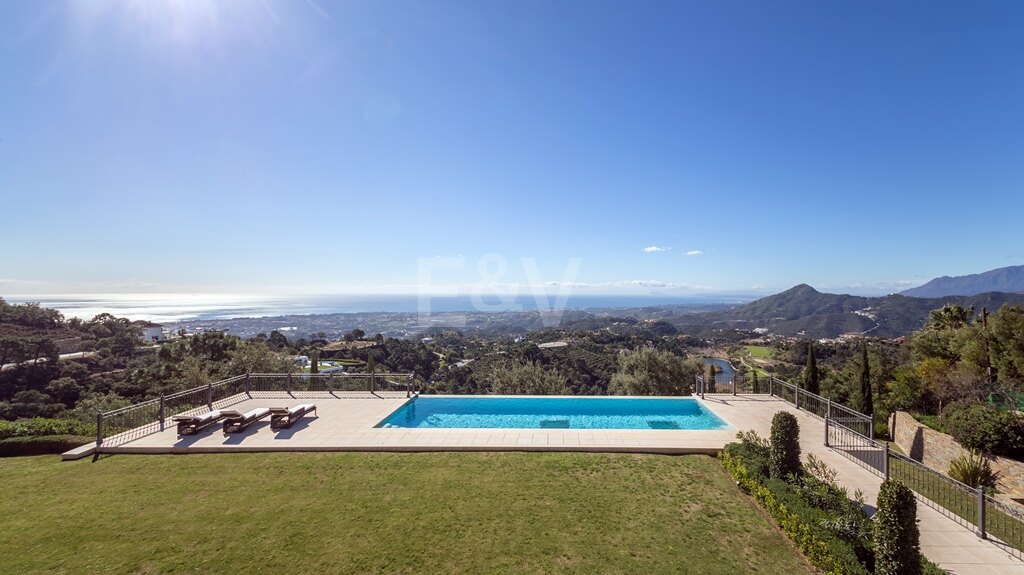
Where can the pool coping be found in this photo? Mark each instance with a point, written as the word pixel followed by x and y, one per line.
pixel 698 400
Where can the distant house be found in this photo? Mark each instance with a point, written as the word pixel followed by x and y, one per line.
pixel 301 360
pixel 150 332
pixel 427 340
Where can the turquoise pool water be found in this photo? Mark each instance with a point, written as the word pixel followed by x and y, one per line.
pixel 554 413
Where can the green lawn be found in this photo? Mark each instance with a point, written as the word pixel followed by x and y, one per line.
pixel 384 513
pixel 759 351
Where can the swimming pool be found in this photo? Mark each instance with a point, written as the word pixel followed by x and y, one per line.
pixel 554 413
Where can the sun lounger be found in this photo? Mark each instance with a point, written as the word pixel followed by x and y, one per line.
pixel 193 424
pixel 235 421
pixel 284 417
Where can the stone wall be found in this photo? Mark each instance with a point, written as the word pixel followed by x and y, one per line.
pixel 937 450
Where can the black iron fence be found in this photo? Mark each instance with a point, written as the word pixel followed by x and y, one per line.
pixel 127 424
pixel 851 433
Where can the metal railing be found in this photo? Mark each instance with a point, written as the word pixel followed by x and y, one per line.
pixel 129 423
pixel 971 507
pixel 851 433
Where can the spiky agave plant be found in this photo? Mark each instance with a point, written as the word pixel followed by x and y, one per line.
pixel 973 469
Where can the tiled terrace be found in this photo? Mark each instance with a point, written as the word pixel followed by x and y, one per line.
pixel 347 424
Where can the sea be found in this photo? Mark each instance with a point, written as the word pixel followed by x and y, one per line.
pixel 171 308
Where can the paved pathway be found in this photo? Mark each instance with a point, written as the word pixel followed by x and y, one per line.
pixel 944 541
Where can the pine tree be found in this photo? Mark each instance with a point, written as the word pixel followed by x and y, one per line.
pixel 864 402
pixel 811 373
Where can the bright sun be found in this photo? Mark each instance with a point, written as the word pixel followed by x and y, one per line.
pixel 180 24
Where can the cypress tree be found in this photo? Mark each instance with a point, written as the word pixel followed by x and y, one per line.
pixel 371 367
pixel 709 383
pixel 864 401
pixel 314 362
pixel 811 373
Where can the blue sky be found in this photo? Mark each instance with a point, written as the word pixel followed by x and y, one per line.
pixel 293 147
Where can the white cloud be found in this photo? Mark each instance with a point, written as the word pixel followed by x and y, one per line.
pixel 655 249
pixel 694 253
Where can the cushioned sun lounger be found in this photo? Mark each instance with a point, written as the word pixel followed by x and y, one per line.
pixel 284 417
pixel 235 421
pixel 193 424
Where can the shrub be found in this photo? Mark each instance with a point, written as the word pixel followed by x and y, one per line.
pixel 881 424
pixel 41 445
pixel 528 379
pixel 897 540
pixel 649 371
pixel 755 451
pixel 825 553
pixel 38 426
pixel 982 427
pixel 785 446
pixel 973 469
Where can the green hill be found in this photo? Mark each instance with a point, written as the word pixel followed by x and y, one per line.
pixel 805 311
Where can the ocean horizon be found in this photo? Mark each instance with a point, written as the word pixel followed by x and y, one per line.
pixel 173 308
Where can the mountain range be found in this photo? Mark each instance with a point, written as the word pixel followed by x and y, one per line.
pixel 803 310
pixel 1009 279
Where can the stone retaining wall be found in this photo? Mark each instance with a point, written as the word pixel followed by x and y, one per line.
pixel 937 450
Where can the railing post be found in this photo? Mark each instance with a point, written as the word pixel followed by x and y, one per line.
pixel 796 396
pixel 981 514
pixel 826 433
pixel 408 386
pixel 289 384
pixel 734 385
pixel 828 408
pixel 248 386
pixel 885 461
pixel 771 386
pixel 209 396
pixel 161 412
pixel 871 428
pixel 99 428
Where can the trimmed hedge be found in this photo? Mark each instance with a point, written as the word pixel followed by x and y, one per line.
pixel 785 446
pixel 828 527
pixel 40 426
pixel 897 539
pixel 41 445
pixel 807 537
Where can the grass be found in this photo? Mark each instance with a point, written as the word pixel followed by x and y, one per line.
pixel 384 513
pixel 759 351
pixel 932 421
pixel 760 372
pixel 957 502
